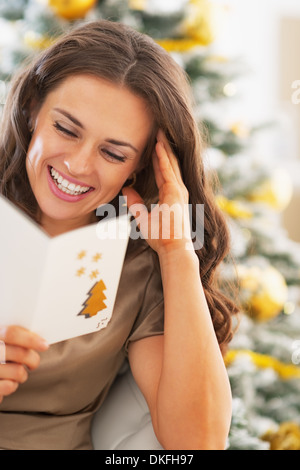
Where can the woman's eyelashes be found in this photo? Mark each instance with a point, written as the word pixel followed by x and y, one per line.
pixel 64 130
pixel 114 157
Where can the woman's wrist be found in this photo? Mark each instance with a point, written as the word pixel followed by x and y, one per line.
pixel 176 253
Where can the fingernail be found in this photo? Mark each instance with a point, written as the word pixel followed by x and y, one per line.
pixel 3 331
pixel 2 352
pixel 44 344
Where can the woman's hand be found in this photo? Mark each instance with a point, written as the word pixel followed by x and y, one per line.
pixel 21 355
pixel 167 226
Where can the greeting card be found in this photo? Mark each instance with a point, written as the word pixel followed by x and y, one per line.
pixel 59 287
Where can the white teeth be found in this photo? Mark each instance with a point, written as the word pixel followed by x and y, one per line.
pixel 66 186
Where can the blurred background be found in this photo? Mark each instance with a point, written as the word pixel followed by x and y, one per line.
pixel 242 60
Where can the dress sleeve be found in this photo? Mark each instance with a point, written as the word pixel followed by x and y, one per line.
pixel 150 320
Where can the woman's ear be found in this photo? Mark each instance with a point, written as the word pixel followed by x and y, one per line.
pixel 130 182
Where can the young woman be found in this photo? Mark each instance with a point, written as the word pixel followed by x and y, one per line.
pixel 103 112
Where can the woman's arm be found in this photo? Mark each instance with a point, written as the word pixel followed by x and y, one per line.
pixel 182 373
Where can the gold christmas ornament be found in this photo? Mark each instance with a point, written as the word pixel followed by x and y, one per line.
pixel 37 41
pixel 137 4
pixel 177 45
pixel 71 9
pixel 203 21
pixel 286 437
pixel 263 291
pixel 240 129
pixel 199 28
pixel 275 191
pixel 264 361
pixel 234 209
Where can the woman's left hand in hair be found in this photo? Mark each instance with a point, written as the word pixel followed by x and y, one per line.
pixel 167 226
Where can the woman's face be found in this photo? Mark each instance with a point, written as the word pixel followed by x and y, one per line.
pixel 88 139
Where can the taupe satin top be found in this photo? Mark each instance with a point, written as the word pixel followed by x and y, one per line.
pixel 54 408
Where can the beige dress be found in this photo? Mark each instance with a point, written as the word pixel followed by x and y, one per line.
pixel 54 408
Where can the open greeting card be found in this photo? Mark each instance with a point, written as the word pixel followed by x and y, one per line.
pixel 59 287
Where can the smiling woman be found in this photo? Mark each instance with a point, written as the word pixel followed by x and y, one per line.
pixel 102 107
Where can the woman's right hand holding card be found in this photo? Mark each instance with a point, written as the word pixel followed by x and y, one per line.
pixel 19 354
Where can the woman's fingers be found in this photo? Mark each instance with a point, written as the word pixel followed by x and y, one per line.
pixel 137 208
pixel 165 223
pixel 18 336
pixel 164 171
pixel 167 157
pixel 7 387
pixel 14 372
pixel 157 171
pixel 21 355
pixel 170 170
pixel 29 357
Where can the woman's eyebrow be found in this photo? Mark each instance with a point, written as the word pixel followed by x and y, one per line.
pixel 69 116
pixel 121 144
pixel 79 124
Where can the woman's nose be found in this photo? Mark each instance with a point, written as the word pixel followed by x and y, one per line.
pixel 80 162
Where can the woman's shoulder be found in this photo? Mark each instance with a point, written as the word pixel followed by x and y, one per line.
pixel 140 275
pixel 142 256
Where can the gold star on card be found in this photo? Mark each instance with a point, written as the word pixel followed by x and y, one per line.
pixel 96 257
pixel 80 272
pixel 94 274
pixel 81 255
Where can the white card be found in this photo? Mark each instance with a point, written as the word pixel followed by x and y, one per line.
pixel 59 287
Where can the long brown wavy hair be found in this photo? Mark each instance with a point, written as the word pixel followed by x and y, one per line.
pixel 124 57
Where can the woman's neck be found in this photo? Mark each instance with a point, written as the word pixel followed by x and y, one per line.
pixel 56 227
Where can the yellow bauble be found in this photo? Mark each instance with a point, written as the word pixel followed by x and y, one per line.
pixel 240 129
pixel 287 437
pixel 137 4
pixel 264 361
pixel 177 45
pixel 234 209
pixel 71 9
pixel 263 291
pixel 37 41
pixel 275 191
pixel 203 21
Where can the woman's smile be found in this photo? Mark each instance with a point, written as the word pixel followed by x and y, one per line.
pixel 65 187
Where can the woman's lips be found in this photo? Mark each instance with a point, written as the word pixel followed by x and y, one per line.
pixel 65 187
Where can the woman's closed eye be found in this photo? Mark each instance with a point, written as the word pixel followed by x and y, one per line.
pixel 64 130
pixel 113 157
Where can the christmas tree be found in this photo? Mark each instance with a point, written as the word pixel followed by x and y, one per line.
pixel 95 300
pixel 264 355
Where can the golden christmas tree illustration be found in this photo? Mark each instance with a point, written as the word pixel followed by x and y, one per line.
pixel 95 301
